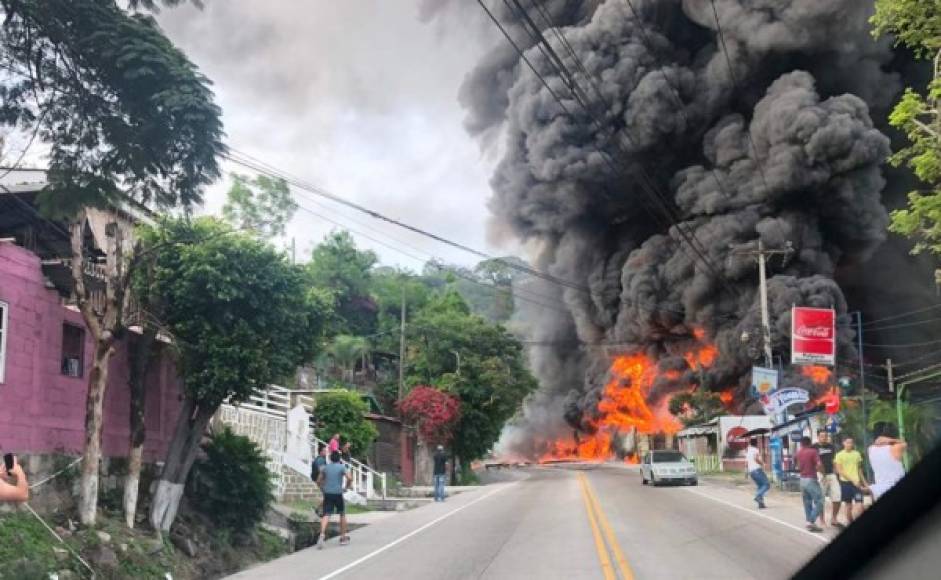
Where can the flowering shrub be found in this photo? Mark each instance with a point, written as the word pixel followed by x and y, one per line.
pixel 435 412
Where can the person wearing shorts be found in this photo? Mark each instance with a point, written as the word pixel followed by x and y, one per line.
pixel 331 479
pixel 829 482
pixel 849 467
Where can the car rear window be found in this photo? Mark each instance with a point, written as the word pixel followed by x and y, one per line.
pixel 667 457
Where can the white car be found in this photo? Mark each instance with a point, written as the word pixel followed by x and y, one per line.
pixel 667 466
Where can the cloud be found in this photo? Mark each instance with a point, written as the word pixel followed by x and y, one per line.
pixel 360 98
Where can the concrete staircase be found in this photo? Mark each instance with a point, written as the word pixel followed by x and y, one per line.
pixel 297 486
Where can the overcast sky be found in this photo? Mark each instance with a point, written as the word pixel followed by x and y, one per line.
pixel 357 96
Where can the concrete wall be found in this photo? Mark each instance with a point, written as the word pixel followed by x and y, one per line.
pixel 43 411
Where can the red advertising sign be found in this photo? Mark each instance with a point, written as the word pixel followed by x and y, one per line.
pixel 813 336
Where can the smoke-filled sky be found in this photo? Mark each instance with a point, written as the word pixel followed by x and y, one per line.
pixel 358 97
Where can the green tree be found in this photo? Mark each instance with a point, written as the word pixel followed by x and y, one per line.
pixel 491 381
pixel 920 421
pixel 916 24
pixel 346 350
pixel 344 412
pixel 241 318
pixel 264 205
pixel 338 267
pixel 695 407
pixel 125 115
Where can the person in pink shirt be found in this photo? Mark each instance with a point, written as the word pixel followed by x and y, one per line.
pixel 334 444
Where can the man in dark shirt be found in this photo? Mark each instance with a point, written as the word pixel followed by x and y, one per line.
pixel 829 483
pixel 809 464
pixel 440 472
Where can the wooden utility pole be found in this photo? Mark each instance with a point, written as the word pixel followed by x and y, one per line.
pixel 890 375
pixel 762 255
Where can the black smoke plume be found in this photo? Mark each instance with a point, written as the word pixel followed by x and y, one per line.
pixel 772 138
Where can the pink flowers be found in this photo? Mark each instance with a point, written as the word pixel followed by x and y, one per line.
pixel 435 412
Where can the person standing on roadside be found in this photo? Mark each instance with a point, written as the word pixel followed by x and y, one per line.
pixel 346 453
pixel 809 465
pixel 16 491
pixel 331 481
pixel 440 472
pixel 829 482
pixel 885 458
pixel 849 468
pixel 755 467
pixel 316 467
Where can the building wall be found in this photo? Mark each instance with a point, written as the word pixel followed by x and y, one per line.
pixel 42 410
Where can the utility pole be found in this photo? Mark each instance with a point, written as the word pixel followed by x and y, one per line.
pixel 890 376
pixel 862 376
pixel 762 256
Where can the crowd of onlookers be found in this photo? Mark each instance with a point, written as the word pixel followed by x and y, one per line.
pixel 837 476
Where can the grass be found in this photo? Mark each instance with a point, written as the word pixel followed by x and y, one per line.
pixel 27 551
pixel 26 546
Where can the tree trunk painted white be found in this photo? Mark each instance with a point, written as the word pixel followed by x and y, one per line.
pixel 132 484
pixel 94 403
pixel 180 457
pixel 141 357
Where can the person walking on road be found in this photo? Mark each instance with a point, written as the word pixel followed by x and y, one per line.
pixel 331 481
pixel 809 465
pixel 16 491
pixel 440 472
pixel 849 468
pixel 756 472
pixel 829 482
pixel 885 457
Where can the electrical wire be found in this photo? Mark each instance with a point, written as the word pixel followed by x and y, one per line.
pixel 902 315
pixel 646 182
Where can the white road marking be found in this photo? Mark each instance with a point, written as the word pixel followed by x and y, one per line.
pixel 816 536
pixel 378 551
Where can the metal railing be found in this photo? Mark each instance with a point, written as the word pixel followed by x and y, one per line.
pixel 364 477
pixel 276 402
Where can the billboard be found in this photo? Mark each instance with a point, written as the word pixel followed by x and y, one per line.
pixel 813 336
pixel 779 401
pixel 763 381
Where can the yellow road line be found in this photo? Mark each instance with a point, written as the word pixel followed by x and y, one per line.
pixel 606 567
pixel 623 566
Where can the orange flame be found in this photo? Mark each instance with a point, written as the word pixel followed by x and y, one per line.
pixel 726 397
pixel 625 406
pixel 818 374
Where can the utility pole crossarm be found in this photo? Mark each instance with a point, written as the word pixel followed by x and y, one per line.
pixel 762 255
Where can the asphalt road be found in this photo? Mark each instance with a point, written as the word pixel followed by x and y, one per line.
pixel 570 522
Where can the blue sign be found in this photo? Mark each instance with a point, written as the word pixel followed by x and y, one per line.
pixel 780 400
pixel 776 445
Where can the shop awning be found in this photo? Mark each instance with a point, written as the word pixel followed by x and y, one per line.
pixel 708 428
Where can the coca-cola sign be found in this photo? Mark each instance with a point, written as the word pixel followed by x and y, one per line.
pixel 813 336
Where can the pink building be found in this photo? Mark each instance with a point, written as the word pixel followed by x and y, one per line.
pixel 45 354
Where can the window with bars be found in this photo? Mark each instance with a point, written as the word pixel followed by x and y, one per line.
pixel 73 350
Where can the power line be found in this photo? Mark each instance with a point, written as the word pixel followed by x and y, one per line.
pixel 647 183
pixel 904 324
pixel 728 60
pixel 263 168
pixel 234 157
pixel 902 315
pixel 908 345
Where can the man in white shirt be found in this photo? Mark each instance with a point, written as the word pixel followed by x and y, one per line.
pixel 755 467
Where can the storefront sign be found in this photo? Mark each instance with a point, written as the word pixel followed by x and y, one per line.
pixel 780 400
pixel 813 336
pixel 763 381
